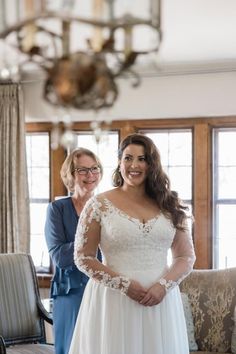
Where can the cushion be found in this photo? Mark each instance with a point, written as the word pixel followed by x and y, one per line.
pixel 211 293
pixel 31 348
pixel 189 322
pixel 233 341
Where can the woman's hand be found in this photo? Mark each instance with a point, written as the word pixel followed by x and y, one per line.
pixel 154 295
pixel 136 291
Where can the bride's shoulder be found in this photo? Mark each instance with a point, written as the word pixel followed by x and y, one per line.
pixel 106 195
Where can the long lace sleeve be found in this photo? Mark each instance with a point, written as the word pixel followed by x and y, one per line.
pixel 87 239
pixel 183 259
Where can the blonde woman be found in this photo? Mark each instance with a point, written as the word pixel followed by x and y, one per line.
pixel 81 173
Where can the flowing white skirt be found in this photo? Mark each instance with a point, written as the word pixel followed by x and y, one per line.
pixel 111 323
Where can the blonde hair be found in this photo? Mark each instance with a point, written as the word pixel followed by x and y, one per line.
pixel 68 166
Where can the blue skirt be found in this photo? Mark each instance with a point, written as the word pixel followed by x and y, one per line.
pixel 65 311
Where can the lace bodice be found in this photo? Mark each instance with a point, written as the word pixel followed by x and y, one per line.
pixel 128 245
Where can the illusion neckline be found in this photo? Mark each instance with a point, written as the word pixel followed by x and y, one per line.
pixel 122 212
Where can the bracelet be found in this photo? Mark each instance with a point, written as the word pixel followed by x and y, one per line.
pixel 168 284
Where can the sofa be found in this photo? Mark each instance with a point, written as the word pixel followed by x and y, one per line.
pixel 212 298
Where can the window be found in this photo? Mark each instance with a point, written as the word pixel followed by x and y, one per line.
pixel 37 148
pixel 186 151
pixel 224 197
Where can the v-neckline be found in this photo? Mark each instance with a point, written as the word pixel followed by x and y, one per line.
pixel 137 220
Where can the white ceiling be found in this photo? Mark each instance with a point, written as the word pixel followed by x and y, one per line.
pixel 198 33
pixel 197 36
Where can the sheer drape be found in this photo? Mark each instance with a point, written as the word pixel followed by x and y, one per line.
pixel 14 198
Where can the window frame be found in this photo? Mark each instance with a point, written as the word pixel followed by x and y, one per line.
pixel 37 200
pixel 216 200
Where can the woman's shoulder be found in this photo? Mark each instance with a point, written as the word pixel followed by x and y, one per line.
pixel 100 200
pixel 106 195
pixel 61 201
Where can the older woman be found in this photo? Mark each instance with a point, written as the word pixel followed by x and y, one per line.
pixel 81 172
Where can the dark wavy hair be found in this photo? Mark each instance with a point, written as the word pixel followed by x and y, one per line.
pixel 157 184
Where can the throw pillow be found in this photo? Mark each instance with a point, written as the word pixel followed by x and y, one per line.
pixel 189 322
pixel 233 341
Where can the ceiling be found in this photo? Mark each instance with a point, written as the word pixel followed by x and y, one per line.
pixel 197 36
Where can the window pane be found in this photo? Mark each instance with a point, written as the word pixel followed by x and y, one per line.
pixel 180 149
pixel 37 217
pixel 227 221
pixel 226 236
pixel 227 179
pixel 224 197
pixel 39 182
pixel 227 143
pixel 38 247
pixel 106 150
pixel 37 148
pixel 181 181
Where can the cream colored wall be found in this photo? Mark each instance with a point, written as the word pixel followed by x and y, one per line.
pixel 173 96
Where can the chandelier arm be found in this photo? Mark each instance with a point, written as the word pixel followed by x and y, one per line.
pixel 114 24
pixel 53 36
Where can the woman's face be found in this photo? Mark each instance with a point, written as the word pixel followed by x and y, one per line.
pixel 87 174
pixel 133 165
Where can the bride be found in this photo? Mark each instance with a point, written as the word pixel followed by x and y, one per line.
pixel 132 302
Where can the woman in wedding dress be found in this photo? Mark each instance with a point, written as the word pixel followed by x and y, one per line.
pixel 132 302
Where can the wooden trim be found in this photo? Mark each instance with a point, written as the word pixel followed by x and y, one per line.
pixel 57 158
pixel 44 280
pixel 201 196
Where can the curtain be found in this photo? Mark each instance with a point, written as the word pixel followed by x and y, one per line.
pixel 14 195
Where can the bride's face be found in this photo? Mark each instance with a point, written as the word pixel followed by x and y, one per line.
pixel 133 165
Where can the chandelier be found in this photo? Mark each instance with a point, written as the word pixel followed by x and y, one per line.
pixel 82 46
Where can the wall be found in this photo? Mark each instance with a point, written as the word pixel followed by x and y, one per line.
pixel 171 96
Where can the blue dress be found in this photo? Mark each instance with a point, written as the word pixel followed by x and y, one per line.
pixel 68 282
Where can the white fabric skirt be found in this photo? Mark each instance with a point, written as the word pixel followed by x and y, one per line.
pixel 111 323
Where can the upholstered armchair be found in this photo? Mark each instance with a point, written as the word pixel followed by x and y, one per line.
pixel 22 315
pixel 212 297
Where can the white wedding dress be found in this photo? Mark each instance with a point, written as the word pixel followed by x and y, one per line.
pixel 109 322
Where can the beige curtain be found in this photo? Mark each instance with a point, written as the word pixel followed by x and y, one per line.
pixel 14 198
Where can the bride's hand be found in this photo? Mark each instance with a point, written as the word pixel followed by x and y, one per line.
pixel 154 295
pixel 136 291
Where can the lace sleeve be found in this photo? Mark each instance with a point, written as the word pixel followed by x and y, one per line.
pixel 183 259
pixel 87 239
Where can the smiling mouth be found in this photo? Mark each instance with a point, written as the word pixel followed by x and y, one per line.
pixel 134 173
